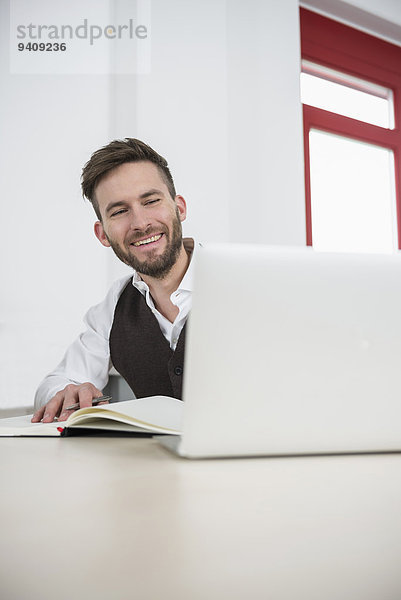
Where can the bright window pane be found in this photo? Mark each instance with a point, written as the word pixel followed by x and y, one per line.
pixel 352 195
pixel 348 96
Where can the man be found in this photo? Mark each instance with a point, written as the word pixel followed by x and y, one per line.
pixel 140 326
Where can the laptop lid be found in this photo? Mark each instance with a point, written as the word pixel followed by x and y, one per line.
pixel 290 351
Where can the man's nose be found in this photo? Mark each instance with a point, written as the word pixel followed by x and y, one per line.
pixel 140 220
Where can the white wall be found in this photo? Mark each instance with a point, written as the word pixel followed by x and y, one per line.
pixel 51 266
pixel 384 9
pixel 265 148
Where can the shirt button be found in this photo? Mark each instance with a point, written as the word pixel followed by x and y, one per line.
pixel 174 340
pixel 178 370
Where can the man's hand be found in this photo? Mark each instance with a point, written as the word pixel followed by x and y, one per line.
pixel 71 394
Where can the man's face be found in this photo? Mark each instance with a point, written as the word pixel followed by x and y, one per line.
pixel 140 220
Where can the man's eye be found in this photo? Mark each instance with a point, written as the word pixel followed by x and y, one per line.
pixel 152 201
pixel 119 212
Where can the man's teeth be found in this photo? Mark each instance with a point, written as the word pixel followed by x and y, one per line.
pixel 148 241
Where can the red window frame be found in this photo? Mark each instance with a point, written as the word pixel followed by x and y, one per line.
pixel 345 49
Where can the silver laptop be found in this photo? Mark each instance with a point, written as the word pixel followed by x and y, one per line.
pixel 290 351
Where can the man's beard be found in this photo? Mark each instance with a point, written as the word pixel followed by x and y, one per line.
pixel 159 266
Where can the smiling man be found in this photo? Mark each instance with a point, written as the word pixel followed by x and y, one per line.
pixel 140 326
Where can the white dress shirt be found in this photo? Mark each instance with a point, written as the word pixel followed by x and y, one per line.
pixel 88 357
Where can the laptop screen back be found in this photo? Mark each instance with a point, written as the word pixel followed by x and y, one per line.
pixel 292 351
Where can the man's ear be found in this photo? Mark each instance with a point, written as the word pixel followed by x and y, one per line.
pixel 182 207
pixel 100 234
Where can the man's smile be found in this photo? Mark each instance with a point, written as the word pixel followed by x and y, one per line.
pixel 146 241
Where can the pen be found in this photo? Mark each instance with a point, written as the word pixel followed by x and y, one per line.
pixel 94 402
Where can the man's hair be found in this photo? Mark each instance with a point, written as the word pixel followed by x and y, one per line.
pixel 115 154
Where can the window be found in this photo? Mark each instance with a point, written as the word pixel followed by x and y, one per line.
pixel 346 95
pixel 351 95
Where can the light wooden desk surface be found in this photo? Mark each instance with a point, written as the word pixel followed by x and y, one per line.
pixel 120 518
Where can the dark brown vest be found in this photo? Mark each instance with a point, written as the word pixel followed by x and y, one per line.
pixel 140 352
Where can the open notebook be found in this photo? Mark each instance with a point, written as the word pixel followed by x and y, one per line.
pixel 157 414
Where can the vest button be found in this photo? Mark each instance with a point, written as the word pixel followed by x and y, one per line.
pixel 178 370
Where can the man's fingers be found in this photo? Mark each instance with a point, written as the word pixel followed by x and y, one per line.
pixel 52 408
pixel 37 416
pixel 65 414
pixel 70 398
pixel 86 395
pixel 82 394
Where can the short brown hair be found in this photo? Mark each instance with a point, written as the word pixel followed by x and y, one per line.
pixel 115 154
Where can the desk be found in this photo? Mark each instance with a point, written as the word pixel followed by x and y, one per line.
pixel 120 518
